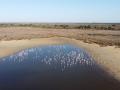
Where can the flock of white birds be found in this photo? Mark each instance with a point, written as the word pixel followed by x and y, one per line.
pixel 65 56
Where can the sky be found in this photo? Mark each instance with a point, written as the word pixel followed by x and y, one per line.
pixel 90 11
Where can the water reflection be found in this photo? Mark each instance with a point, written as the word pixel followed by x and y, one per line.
pixel 53 67
pixel 64 56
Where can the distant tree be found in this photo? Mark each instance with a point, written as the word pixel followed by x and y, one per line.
pixel 79 27
pixel 110 28
pixel 94 27
pixel 55 26
pixel 113 25
pixel 64 26
pixel 88 27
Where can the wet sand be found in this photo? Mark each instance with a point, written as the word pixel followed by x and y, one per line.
pixel 108 57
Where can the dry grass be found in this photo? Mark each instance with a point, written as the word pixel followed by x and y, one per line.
pixel 101 37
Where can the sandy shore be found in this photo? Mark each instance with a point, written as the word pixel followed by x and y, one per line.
pixel 108 57
pixel 13 46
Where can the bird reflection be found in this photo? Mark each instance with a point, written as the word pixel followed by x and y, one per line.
pixel 64 56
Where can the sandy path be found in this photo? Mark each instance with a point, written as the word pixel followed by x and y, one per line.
pixel 107 57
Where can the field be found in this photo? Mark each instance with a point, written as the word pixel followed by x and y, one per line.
pixel 102 34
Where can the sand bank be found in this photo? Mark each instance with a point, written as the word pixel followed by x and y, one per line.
pixel 13 46
pixel 108 57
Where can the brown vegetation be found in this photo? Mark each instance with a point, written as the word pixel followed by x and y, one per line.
pixel 102 37
pixel 83 26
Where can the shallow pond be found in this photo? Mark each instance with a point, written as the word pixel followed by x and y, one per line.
pixel 56 67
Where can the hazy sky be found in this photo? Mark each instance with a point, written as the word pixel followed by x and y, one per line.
pixel 59 10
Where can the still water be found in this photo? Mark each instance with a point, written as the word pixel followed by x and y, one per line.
pixel 55 67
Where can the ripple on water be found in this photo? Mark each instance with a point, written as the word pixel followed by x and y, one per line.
pixel 57 66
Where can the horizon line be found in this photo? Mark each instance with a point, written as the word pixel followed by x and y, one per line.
pixel 55 22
